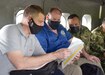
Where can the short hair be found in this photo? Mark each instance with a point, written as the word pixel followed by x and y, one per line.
pixel 72 16
pixel 32 10
pixel 103 20
pixel 55 8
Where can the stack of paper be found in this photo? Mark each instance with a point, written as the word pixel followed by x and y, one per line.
pixel 75 47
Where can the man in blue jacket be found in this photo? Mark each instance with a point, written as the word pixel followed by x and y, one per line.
pixel 54 36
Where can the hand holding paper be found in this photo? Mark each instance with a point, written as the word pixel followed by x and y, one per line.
pixel 75 47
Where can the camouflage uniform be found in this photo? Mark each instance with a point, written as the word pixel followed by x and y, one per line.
pixel 97 44
pixel 84 35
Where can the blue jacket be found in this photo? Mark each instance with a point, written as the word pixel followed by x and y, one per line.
pixel 50 41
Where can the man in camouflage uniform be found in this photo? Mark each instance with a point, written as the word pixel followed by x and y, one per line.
pixel 97 44
pixel 84 34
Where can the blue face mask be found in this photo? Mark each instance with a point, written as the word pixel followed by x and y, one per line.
pixel 53 24
pixel 74 29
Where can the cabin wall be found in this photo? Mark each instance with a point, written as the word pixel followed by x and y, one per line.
pixel 6 16
pixel 97 21
pixel 103 12
pixel 10 8
pixel 78 7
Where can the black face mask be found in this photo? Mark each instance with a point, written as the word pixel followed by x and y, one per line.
pixel 53 24
pixel 74 29
pixel 34 28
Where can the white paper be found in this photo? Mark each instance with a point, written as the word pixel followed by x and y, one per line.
pixel 75 47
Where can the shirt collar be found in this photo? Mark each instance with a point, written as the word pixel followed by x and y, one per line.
pixel 21 29
pixel 47 28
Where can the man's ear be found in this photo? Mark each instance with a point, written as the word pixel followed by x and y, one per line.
pixel 29 17
pixel 47 16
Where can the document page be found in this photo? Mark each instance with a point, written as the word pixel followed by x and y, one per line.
pixel 75 47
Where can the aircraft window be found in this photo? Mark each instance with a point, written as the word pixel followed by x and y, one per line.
pixel 64 18
pixel 19 16
pixel 63 21
pixel 86 21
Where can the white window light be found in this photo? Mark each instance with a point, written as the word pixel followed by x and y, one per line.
pixel 86 21
pixel 64 19
pixel 19 16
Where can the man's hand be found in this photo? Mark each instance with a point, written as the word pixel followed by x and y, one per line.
pixel 90 57
pixel 76 58
pixel 93 58
pixel 62 53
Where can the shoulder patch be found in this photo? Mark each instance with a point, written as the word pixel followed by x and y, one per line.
pixel 63 33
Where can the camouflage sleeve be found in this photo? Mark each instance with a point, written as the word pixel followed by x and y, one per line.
pixel 97 42
pixel 85 36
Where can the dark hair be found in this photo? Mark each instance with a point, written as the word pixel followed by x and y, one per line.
pixel 55 8
pixel 32 9
pixel 72 16
pixel 103 20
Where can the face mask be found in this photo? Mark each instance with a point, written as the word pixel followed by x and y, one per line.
pixel 53 24
pixel 74 29
pixel 34 28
